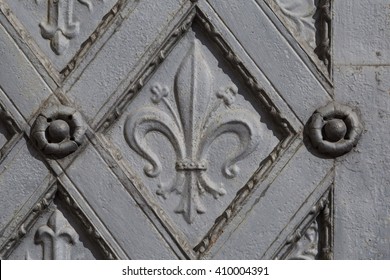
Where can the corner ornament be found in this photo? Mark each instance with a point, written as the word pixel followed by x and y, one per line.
pixel 58 131
pixel 334 129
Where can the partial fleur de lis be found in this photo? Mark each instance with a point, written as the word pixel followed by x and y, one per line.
pixel 306 248
pixel 191 129
pixel 56 237
pixel 59 27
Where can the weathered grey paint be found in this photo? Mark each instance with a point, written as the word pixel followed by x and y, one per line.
pixel 185 129
pixel 361 79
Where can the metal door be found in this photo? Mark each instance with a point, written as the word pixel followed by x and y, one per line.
pixel 177 129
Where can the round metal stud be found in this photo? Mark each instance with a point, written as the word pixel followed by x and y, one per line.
pixel 334 129
pixel 58 131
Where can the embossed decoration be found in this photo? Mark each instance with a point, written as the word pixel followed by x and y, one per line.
pixel 59 33
pixel 324 32
pixel 309 20
pixel 192 129
pixel 58 131
pixel 8 130
pixel 306 248
pixel 56 237
pixel 301 15
pixel 60 27
pixel 313 238
pixel 63 217
pixel 335 129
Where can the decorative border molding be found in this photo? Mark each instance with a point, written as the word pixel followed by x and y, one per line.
pixel 40 207
pixel 322 213
pixel 7 119
pixel 195 14
pixel 12 128
pixel 324 33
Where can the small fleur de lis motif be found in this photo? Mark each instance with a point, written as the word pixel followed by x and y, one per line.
pixel 191 129
pixel 59 27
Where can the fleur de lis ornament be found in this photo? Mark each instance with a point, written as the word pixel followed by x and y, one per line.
pixel 60 27
pixel 56 237
pixel 191 129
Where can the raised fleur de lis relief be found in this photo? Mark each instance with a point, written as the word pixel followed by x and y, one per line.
pixel 59 27
pixel 191 129
pixel 56 237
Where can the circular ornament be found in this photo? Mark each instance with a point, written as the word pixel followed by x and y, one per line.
pixel 58 131
pixel 334 129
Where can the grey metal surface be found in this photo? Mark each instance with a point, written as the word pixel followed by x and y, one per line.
pixel 196 116
pixel 361 76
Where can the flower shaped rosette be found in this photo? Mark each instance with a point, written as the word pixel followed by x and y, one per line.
pixel 58 131
pixel 335 129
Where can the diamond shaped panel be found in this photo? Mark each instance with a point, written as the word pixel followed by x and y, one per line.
pixel 195 134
